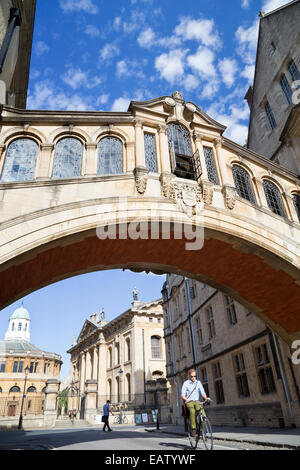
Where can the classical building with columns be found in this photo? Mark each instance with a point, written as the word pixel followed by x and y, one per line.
pixel 25 369
pixel 122 360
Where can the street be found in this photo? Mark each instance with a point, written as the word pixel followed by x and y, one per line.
pixel 123 438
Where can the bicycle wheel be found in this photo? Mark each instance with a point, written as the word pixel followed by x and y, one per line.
pixel 206 433
pixel 194 440
pixel 117 420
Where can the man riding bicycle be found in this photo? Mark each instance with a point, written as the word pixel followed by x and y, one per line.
pixel 190 393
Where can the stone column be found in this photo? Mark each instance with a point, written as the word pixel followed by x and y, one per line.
pixel 199 147
pixel 44 161
pixel 50 406
pixel 82 372
pixel 140 161
pixel 130 157
pixel 90 401
pixel 164 149
pixel 88 367
pixel 95 364
pixel 228 188
pixel 91 161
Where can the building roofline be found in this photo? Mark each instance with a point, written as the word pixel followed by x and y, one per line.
pixel 279 8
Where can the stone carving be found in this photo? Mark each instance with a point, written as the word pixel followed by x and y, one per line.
pixel 167 186
pixel 141 179
pixel 208 193
pixel 188 198
pixel 229 193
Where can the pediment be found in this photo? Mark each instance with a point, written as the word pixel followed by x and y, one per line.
pixel 175 108
pixel 86 330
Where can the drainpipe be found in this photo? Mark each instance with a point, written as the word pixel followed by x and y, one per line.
pixel 15 20
pixel 284 379
pixel 173 354
pixel 188 296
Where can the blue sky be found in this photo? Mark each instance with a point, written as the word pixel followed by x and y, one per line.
pixel 99 55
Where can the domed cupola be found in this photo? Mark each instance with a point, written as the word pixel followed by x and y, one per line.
pixel 19 325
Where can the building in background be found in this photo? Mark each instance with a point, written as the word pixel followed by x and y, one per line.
pixel 274 128
pixel 16 33
pixel 244 367
pixel 122 361
pixel 20 359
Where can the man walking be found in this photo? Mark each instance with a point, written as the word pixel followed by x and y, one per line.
pixel 190 393
pixel 106 411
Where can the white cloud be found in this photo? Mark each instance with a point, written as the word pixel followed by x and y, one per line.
pixel 109 51
pixel 228 69
pixel 247 39
pixel 146 38
pixel 203 62
pixel 41 48
pixel 76 78
pixel 79 5
pixel 232 116
pixel 92 31
pixel 245 4
pixel 270 5
pixel 127 68
pixel 171 65
pixel 248 72
pixel 191 82
pixel 121 104
pixel 202 30
pixel 46 96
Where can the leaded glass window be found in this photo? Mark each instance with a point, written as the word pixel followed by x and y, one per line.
pixel 270 116
pixel 20 160
pixel 67 158
pixel 179 137
pixel 182 160
pixel 273 198
pixel 242 183
pixel 210 165
pixel 150 152
pixel 293 71
pixel 110 156
pixel 286 89
pixel 296 201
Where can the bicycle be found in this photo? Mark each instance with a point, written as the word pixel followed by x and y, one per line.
pixel 203 429
pixel 117 419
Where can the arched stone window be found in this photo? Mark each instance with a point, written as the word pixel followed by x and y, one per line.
pixel 155 347
pixel 157 374
pixel 110 156
pixel 127 387
pixel 273 198
pixel 128 352
pixel 67 158
pixel 14 389
pixel 296 201
pixel 20 160
pixel 181 155
pixel 242 183
pixel 31 389
pixel 109 363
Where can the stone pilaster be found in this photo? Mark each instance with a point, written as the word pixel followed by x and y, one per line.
pixel 50 406
pixel 91 400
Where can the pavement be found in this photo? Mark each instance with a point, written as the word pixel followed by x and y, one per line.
pixel 288 438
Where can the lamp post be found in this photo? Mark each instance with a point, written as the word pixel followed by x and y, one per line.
pixel 27 369
pixel 121 378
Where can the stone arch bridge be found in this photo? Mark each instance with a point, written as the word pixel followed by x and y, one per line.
pixel 155 188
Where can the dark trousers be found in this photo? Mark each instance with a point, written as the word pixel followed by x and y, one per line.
pixel 106 423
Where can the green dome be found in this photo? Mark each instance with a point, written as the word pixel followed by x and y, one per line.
pixel 20 313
